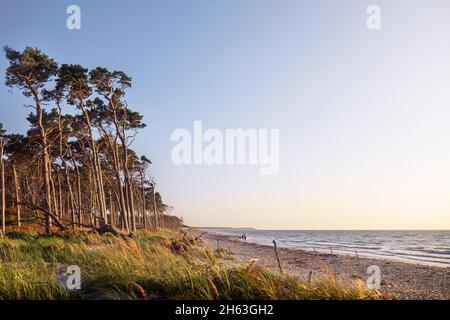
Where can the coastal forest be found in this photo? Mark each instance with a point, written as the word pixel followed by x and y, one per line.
pixel 75 168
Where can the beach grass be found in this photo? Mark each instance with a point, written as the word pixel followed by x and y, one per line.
pixel 150 265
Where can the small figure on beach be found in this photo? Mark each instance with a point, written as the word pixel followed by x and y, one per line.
pixel 244 237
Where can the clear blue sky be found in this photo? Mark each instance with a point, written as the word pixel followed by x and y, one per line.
pixel 363 115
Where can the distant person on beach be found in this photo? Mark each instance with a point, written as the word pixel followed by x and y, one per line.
pixel 244 237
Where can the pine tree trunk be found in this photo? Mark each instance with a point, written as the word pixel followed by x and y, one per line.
pixel 128 189
pixel 60 197
pixel 54 199
pixel 144 220
pixel 77 173
pixel 112 219
pixel 100 193
pixel 155 210
pixel 2 173
pixel 46 170
pixel 122 202
pixel 17 189
pixel 71 202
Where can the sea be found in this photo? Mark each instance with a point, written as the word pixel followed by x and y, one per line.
pixel 420 247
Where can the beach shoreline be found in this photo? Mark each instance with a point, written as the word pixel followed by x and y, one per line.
pixel 403 280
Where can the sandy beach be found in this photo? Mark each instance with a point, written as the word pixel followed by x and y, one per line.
pixel 402 280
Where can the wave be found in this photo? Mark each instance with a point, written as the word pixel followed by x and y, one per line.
pixel 425 247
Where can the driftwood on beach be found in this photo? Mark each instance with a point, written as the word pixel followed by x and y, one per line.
pixel 277 256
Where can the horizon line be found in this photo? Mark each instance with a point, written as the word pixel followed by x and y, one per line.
pixel 262 229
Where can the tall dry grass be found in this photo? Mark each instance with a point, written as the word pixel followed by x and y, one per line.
pixel 163 265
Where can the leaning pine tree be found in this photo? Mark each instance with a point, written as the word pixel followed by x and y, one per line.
pixel 31 71
pixel 75 170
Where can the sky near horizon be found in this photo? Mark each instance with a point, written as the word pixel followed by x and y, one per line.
pixel 363 115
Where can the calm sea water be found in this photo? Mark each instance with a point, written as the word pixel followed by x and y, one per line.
pixel 423 247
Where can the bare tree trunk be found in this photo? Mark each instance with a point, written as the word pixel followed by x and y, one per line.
pixel 131 203
pixel 66 171
pixel 100 193
pixel 45 168
pixel 112 219
pixel 122 201
pixel 60 197
pixel 91 201
pixel 55 201
pixel 129 187
pixel 2 169
pixel 129 192
pixel 17 189
pixel 144 220
pixel 125 192
pixel 77 173
pixel 102 190
pixel 155 210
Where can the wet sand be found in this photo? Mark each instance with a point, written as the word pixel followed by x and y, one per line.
pixel 403 280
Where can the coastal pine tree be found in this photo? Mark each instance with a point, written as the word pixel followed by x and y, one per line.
pixel 30 71
pixel 77 169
